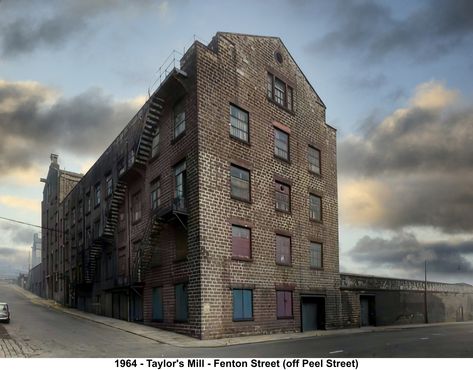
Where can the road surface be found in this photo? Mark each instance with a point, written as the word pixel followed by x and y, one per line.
pixel 39 331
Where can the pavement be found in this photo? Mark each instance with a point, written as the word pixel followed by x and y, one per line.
pixel 183 341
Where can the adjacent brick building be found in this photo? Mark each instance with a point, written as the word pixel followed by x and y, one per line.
pixel 214 212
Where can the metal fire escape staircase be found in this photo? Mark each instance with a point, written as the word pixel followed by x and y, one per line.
pixel 145 142
pixel 144 254
pixel 106 238
pixel 143 152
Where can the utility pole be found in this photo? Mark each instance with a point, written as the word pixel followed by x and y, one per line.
pixel 425 293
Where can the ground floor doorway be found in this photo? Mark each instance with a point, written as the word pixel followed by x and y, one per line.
pixel 367 310
pixel 312 313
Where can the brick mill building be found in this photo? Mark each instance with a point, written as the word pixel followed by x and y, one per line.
pixel 214 212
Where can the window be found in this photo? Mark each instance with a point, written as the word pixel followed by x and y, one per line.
pixel 81 210
pixel 279 92
pixel 155 194
pixel 314 160
pixel 98 194
pixel 109 185
pixel 136 207
pixel 131 157
pixel 73 216
pixel 283 196
pixel 283 250
pixel 181 302
pixel 281 144
pixel 284 304
pixel 179 119
pixel 315 207
pixel 121 166
pixel 241 242
pixel 240 183
pixel 155 144
pixel 180 185
pixel 181 243
pixel 315 255
pixel 239 123
pixel 89 203
pixel 157 304
pixel 242 304
pixel 96 231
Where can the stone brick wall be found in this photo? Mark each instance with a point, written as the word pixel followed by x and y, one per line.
pixel 233 70
pixel 401 301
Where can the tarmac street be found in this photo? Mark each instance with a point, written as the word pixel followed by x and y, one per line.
pixel 41 328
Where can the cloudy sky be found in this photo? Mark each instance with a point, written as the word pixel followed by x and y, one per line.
pixel 395 76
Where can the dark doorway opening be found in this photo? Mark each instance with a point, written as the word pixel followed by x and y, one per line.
pixel 312 313
pixel 367 310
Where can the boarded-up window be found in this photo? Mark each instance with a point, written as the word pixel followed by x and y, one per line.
pixel 315 255
pixel 181 302
pixel 283 196
pixel 283 250
pixel 242 304
pixel 284 304
pixel 241 242
pixel 315 207
pixel 240 183
pixel 157 304
pixel 181 243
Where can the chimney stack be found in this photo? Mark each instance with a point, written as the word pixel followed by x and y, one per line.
pixel 54 158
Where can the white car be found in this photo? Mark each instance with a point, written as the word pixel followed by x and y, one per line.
pixel 4 313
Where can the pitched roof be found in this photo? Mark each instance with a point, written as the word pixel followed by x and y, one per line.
pixel 288 52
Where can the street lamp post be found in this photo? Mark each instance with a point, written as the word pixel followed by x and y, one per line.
pixel 426 317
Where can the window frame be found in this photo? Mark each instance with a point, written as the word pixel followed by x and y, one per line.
pixel 176 111
pixel 237 256
pixel 108 185
pixel 97 194
pixel 232 195
pixel 320 219
pixel 234 128
pixel 285 294
pixel 277 191
pixel 288 149
pixel 180 190
pixel 278 249
pixel 155 143
pixel 155 189
pixel 321 255
pixel 136 201
pixel 288 97
pixel 319 163
pixel 243 317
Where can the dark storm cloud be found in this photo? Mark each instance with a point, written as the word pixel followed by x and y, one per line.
pixel 405 252
pixel 32 125
pixel 421 139
pixel 371 29
pixel 20 234
pixel 30 25
pixel 420 157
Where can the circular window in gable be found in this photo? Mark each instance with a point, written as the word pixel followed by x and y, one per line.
pixel 278 57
